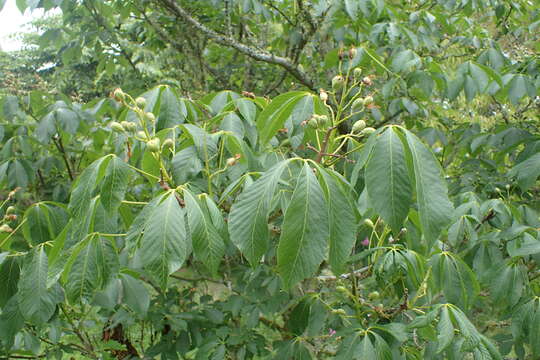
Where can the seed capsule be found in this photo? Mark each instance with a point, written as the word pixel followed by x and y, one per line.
pixel 10 210
pixel 117 127
pixel 141 102
pixel 167 144
pixel 153 145
pixel 5 228
pixel 323 95
pixel 368 100
pixel 141 134
pixel 150 117
pixel 357 73
pixel 313 122
pixel 368 131
pixel 368 222
pixel 373 295
pixel 119 94
pixel 358 126
pixel 337 82
pixel 231 161
pixel 358 104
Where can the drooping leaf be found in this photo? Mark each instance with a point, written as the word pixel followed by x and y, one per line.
pixel 434 207
pixel 305 230
pixel 387 179
pixel 37 301
pixel 135 294
pixel 342 221
pixel 208 245
pixel 163 246
pixel 114 184
pixel 248 219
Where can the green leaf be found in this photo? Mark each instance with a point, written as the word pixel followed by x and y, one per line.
pixel 89 268
pixel 172 111
pixel 37 302
pixel 36 227
pixel 305 231
pixel 445 328
pixel 135 294
pixel 534 331
pixel 82 193
pixel 527 172
pixel 208 245
pixel 507 284
pixel 164 245
pixel 248 219
pixel 455 278
pixel 342 222
pixel 115 183
pixel 519 86
pixel 11 321
pixel 9 277
pixel 387 180
pixel 434 207
pixel 272 118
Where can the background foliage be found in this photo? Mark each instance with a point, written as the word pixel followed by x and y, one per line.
pixel 260 179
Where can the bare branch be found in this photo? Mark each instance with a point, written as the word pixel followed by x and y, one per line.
pixel 254 53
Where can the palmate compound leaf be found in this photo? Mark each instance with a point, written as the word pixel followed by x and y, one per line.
pixel 164 246
pixel 248 219
pixel 305 230
pixel 115 184
pixel 387 179
pixel 208 245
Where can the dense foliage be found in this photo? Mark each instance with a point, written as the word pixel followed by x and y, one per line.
pixel 366 187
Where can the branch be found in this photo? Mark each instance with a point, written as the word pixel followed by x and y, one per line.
pixel 254 53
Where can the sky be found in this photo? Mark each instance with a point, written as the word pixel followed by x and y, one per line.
pixel 11 20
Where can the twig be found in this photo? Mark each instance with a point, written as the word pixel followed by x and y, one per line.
pixel 357 273
pixel 257 54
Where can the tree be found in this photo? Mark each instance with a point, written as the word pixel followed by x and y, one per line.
pixel 382 205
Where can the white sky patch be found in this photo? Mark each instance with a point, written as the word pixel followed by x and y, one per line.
pixel 12 21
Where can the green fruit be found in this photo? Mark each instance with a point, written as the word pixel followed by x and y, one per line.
pixel 150 117
pixel 339 312
pixel 367 131
pixel 169 143
pixel 368 100
pixel 141 102
pixel 119 94
pixel 357 73
pixel 337 82
pixel 323 121
pixel 117 127
pixel 10 210
pixel 141 134
pixel 153 145
pixel 368 222
pixel 358 104
pixel 313 122
pixel 358 126
pixel 342 289
pixel 373 295
pixel 131 127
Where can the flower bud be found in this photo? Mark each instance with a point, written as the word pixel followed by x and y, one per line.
pixel 168 143
pixel 358 104
pixel 323 95
pixel 358 126
pixel 141 102
pixel 357 73
pixel 367 131
pixel 337 82
pixel 231 161
pixel 352 52
pixel 153 145
pixel 150 117
pixel 5 228
pixel 117 127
